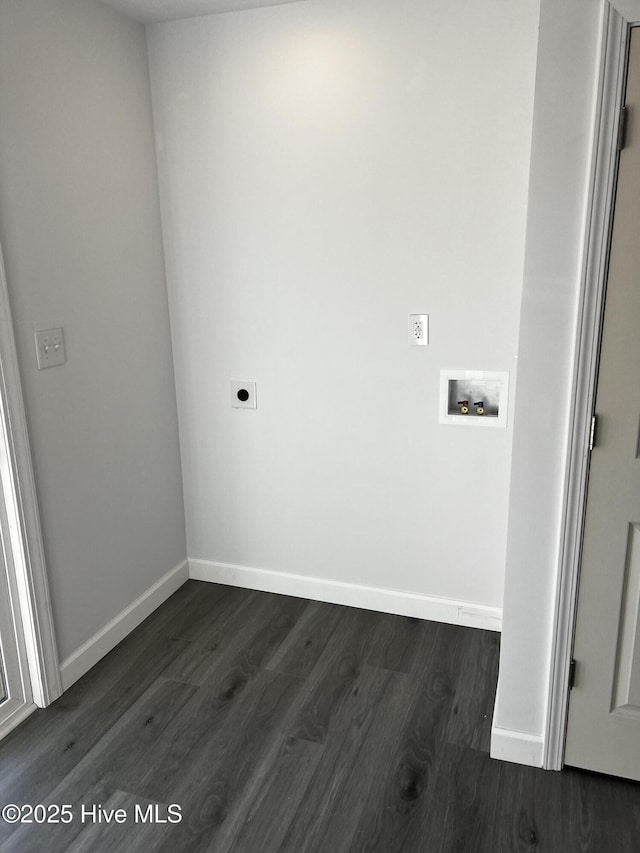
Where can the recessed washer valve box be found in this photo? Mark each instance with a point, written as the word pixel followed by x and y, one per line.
pixel 474 397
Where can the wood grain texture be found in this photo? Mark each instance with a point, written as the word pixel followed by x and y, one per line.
pixel 396 643
pixel 213 781
pixel 341 747
pixel 394 815
pixel 286 779
pixel 285 726
pixel 462 812
pixel 134 836
pixel 472 710
pixel 301 650
pixel 335 676
pixel 368 770
pixel 77 729
pixel 237 646
pixel 115 755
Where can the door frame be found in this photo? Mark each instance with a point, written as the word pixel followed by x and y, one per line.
pixel 598 223
pixel 27 566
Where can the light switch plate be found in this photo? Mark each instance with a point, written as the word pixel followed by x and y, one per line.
pixel 50 348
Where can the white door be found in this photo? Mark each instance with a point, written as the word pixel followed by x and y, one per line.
pixel 603 732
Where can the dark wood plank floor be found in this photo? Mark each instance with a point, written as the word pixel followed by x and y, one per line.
pixel 278 724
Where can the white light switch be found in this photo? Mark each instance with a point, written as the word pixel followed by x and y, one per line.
pixel 50 348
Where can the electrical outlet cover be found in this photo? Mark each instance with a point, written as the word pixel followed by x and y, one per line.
pixel 418 330
pixel 243 395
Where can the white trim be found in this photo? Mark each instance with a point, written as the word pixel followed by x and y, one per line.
pixel 13 657
pixel 350 594
pixel 595 253
pixel 628 9
pixel 27 550
pixel 14 717
pixel 517 747
pixel 88 655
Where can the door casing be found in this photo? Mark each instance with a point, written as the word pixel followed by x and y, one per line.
pixel 24 540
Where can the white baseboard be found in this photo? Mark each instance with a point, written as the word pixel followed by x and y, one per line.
pixel 353 595
pixel 88 655
pixel 517 747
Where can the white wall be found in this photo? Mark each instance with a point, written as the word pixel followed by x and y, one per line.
pixel 80 229
pixel 326 168
pixel 563 136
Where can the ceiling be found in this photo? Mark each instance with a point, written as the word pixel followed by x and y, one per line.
pixel 151 11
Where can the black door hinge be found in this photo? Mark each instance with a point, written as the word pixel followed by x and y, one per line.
pixel 622 128
pixel 572 673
